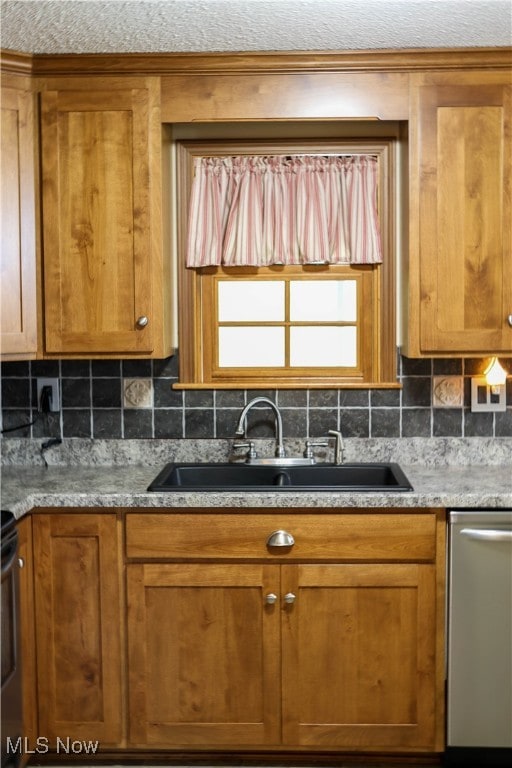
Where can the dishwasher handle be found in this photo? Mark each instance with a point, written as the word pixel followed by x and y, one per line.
pixel 487 534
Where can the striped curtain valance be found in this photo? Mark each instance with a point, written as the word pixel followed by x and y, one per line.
pixel 258 211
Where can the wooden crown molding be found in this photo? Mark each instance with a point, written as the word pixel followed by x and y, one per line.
pixel 16 62
pixel 261 62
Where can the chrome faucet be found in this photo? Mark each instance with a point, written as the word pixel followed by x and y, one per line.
pixel 240 430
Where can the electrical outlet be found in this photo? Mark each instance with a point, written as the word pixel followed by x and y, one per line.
pixel 55 401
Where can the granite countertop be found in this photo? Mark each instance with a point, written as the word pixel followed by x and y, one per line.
pixel 445 473
pixel 25 488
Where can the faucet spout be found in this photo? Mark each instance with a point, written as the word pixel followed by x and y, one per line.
pixel 240 430
pixel 339 448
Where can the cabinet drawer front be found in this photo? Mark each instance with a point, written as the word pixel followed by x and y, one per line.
pixel 348 536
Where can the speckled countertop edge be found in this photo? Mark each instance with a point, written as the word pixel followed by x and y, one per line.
pixel 28 488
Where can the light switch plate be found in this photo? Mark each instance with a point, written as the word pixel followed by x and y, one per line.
pixel 483 399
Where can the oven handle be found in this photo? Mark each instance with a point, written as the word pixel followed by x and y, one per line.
pixel 487 534
pixel 9 555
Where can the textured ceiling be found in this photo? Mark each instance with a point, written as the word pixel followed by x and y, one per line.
pixel 117 26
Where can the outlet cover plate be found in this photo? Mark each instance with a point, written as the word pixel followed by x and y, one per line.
pixel 482 399
pixel 54 384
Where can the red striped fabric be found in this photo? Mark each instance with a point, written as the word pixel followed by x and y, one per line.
pixel 301 209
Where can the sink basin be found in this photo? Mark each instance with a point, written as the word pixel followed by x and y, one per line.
pixel 315 477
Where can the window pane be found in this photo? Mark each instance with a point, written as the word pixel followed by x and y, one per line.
pixel 247 300
pixel 248 347
pixel 323 300
pixel 323 346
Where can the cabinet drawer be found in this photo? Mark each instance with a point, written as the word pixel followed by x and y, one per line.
pixel 348 536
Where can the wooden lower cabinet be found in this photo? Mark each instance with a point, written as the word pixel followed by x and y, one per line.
pixel 283 653
pixel 204 655
pixel 79 627
pixel 28 634
pixel 219 640
pixel 359 656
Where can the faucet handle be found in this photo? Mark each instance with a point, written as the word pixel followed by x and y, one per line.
pixel 251 450
pixel 310 444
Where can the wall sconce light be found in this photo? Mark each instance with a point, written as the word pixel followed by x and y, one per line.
pixel 495 375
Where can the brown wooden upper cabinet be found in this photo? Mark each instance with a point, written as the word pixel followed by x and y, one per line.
pixel 18 222
pixel 460 268
pixel 105 275
pixel 104 279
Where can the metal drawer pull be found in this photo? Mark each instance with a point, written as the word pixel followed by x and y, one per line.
pixel 271 599
pixel 509 318
pixel 142 321
pixel 280 539
pixel 289 598
pixel 487 534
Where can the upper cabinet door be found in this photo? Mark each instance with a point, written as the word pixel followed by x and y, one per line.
pixel 97 205
pixel 461 214
pixel 18 318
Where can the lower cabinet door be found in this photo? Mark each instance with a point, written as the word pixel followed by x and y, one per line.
pixel 204 655
pixel 28 633
pixel 359 656
pixel 78 631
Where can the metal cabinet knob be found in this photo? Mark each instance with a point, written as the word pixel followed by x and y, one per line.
pixel 142 321
pixel 289 598
pixel 280 539
pixel 21 562
pixel 271 599
pixel 509 318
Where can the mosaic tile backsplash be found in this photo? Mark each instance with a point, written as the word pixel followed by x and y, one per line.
pixel 111 399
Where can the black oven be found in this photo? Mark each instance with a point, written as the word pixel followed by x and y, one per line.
pixel 12 715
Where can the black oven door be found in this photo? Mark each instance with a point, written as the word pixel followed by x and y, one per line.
pixel 12 715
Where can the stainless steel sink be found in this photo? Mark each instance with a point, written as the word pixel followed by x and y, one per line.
pixel 247 477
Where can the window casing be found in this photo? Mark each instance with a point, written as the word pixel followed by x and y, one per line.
pixel 306 326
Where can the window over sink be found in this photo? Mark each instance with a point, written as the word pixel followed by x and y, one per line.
pixel 295 325
pixel 286 321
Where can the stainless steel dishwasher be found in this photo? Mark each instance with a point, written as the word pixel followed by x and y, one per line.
pixel 479 660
